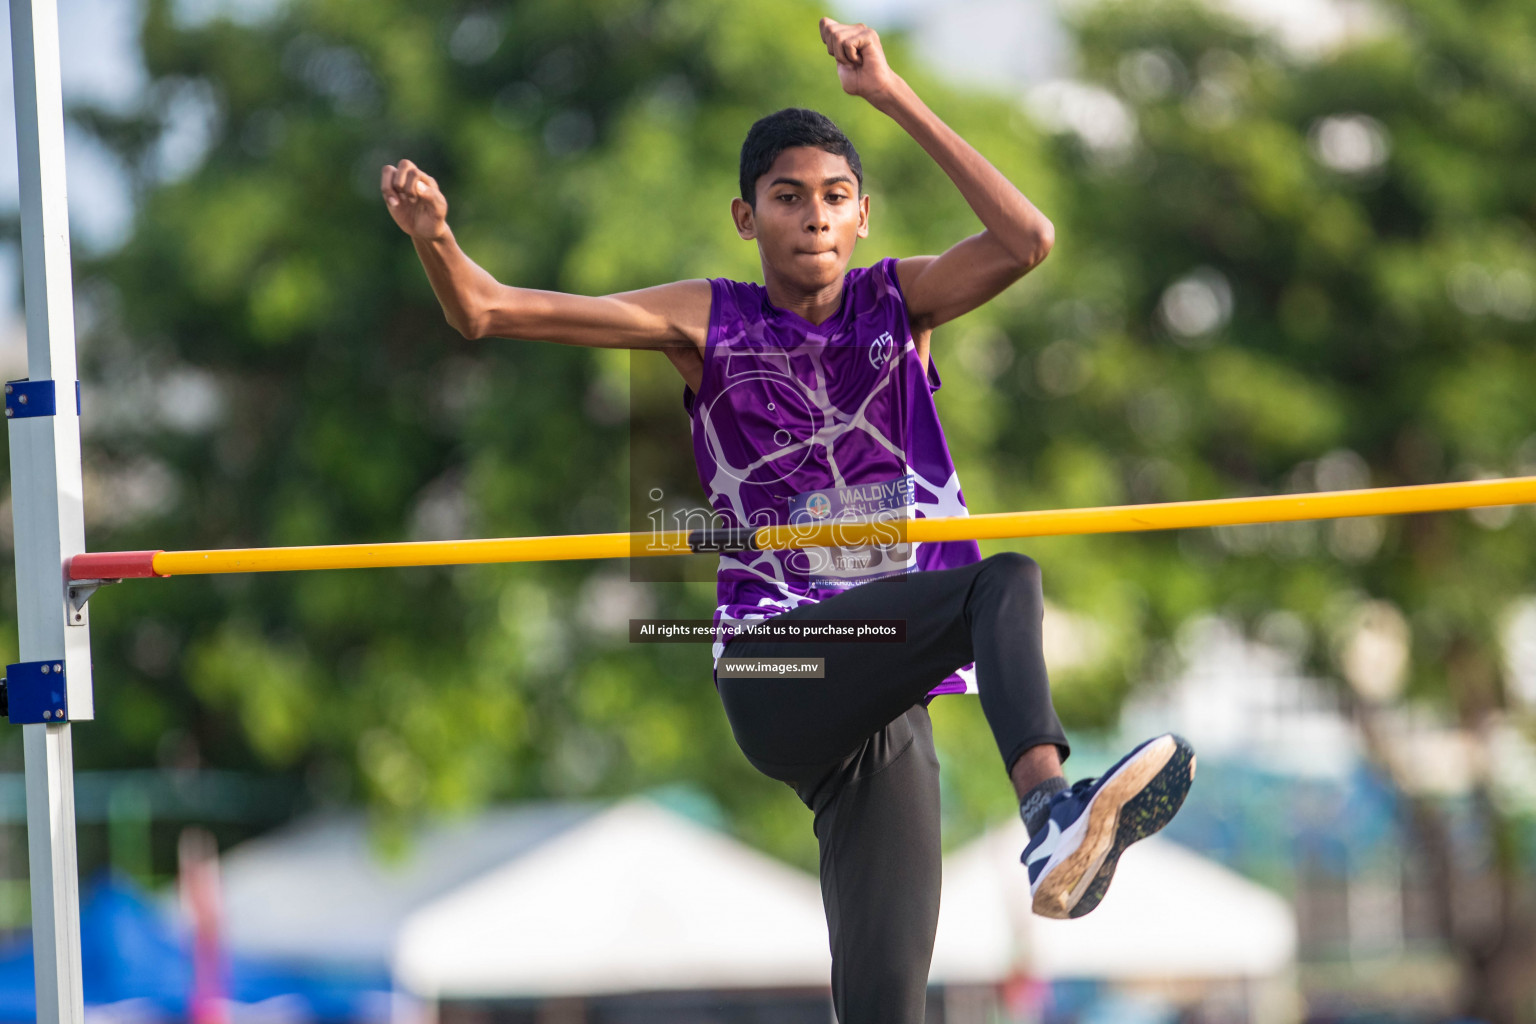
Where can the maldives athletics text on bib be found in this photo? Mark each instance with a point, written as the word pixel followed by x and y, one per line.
pixel 843 567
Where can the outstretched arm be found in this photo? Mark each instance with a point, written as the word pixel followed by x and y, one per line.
pixel 668 316
pixel 1017 236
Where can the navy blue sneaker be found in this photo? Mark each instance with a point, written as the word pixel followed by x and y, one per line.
pixel 1072 859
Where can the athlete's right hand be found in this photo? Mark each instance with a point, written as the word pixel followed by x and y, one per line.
pixel 414 200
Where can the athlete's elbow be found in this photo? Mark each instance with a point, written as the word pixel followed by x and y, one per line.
pixel 1041 239
pixel 1030 247
pixel 470 326
pixel 474 319
pixel 1045 240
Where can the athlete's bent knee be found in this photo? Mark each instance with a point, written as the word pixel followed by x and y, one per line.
pixel 1017 568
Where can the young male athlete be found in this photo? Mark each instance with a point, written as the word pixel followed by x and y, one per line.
pixel 810 398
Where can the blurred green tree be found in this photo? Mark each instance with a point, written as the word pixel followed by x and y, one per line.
pixel 1284 273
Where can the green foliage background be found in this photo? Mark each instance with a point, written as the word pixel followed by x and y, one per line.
pixel 591 146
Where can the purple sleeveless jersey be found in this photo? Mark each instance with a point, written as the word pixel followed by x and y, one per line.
pixel 798 422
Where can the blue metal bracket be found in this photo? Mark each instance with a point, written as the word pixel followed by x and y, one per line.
pixel 25 398
pixel 35 693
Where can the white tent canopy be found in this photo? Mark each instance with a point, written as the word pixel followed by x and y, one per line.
pixel 1170 913
pixel 321 889
pixel 578 899
pixel 635 899
pixel 535 900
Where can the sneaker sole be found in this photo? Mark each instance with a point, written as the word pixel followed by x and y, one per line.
pixel 1140 799
pixel 1141 817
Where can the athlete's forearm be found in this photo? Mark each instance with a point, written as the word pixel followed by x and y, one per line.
pixel 1022 230
pixel 462 287
pixel 479 306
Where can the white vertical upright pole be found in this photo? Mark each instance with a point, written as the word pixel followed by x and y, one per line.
pixel 47 503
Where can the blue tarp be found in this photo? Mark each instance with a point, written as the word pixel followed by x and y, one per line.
pixel 130 952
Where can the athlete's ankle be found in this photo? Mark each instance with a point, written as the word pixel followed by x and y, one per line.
pixel 1036 804
pixel 1033 767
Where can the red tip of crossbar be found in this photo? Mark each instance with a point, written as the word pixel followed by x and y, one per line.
pixel 113 565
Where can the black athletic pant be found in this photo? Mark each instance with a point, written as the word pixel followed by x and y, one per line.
pixel 857 747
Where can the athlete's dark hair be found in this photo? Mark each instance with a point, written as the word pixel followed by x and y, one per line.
pixel 785 129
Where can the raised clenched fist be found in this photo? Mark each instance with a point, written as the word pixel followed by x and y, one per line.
pixel 414 200
pixel 861 64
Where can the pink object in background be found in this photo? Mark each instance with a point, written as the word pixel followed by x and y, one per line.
pixel 198 867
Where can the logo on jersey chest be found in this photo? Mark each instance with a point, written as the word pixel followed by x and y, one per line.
pixel 880 349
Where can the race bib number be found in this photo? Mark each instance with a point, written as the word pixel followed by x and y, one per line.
pixel 887 500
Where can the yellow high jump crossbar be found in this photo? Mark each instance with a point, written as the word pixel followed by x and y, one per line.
pixel 1177 515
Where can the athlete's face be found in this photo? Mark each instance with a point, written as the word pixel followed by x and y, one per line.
pixel 808 215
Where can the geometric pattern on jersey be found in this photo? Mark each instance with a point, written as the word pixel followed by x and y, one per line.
pixel 795 421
